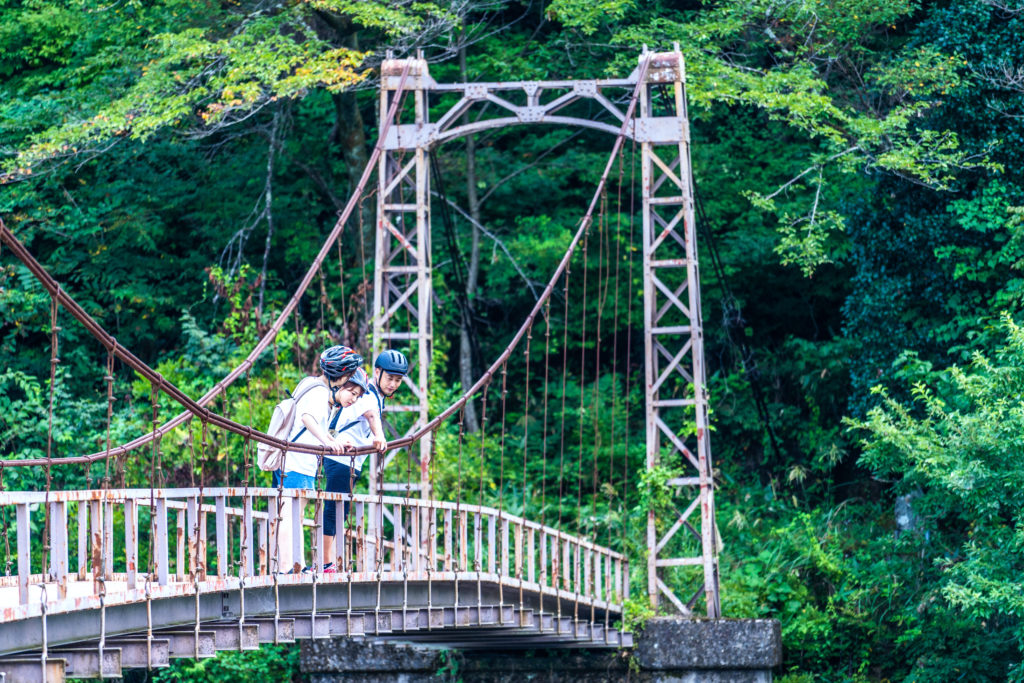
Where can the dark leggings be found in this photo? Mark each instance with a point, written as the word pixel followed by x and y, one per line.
pixel 339 479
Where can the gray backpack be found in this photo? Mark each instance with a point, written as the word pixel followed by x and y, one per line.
pixel 270 458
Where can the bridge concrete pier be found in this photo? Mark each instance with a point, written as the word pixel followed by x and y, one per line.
pixel 669 650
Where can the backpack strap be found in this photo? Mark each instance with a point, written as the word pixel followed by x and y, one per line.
pixel 334 422
pixel 297 396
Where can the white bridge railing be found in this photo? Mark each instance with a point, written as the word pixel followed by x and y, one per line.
pixel 105 547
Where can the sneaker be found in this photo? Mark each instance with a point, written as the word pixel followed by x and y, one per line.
pixel 307 570
pixel 329 568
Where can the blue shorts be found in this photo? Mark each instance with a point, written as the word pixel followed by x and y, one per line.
pixel 294 480
pixel 340 479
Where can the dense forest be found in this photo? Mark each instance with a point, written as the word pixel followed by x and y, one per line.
pixel 857 168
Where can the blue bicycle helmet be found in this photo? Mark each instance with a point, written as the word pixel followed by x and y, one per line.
pixel 393 362
pixel 338 361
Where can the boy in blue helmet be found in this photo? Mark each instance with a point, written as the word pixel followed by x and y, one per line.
pixel 357 426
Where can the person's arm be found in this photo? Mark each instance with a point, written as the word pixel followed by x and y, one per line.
pixel 379 442
pixel 312 425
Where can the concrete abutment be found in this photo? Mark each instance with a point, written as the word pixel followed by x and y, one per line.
pixel 669 650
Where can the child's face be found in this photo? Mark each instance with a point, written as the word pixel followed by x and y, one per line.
pixel 348 395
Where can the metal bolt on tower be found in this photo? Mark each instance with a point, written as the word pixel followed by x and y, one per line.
pixel 677 428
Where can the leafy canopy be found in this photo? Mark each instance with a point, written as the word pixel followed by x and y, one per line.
pixel 92 73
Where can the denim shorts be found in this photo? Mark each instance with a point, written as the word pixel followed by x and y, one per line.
pixel 294 480
pixel 339 479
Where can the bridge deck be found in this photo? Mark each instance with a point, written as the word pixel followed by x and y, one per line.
pixel 453 574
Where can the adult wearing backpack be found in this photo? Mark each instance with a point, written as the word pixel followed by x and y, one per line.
pixel 316 397
pixel 358 426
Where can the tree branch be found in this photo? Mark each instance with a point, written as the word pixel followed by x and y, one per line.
pixel 490 235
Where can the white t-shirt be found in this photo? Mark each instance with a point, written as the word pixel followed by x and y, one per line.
pixel 315 402
pixel 360 431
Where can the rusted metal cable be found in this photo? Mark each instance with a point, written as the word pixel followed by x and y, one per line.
pixel 526 448
pixel 154 377
pixel 629 354
pixel 109 379
pixel 615 393
pixel 478 556
pixel 196 407
pixel 54 360
pixel 559 572
pixel 578 584
pixel 546 293
pixel 503 555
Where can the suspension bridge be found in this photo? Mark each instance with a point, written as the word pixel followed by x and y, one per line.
pixel 110 578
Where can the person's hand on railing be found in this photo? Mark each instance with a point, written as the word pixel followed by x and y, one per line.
pixel 346 443
pixel 380 443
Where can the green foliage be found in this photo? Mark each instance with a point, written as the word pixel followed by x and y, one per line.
pixel 269 663
pixel 780 59
pixel 587 15
pixel 959 443
pixel 636 612
pixel 137 69
pixel 876 142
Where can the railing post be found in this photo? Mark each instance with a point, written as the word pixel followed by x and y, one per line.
pixel 361 537
pixel 59 546
pixel 397 553
pixel 221 523
pixel 416 542
pixel 83 539
pixel 432 536
pixel 179 546
pixel 478 548
pixel 264 553
pixel 609 586
pixel 204 531
pixel 586 571
pixel 543 558
pixel 196 547
pixel 517 561
pixel 491 543
pixel 160 541
pixel 566 565
pixel 298 541
pixel 319 509
pixel 463 541
pixel 447 540
pixel 375 515
pixel 577 567
pixel 96 543
pixel 246 537
pixel 503 569
pixel 108 540
pixel 131 541
pixel 24 552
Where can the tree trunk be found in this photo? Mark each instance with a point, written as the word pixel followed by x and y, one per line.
pixel 349 133
pixel 466 374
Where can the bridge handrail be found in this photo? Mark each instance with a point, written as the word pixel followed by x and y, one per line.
pixel 172 495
